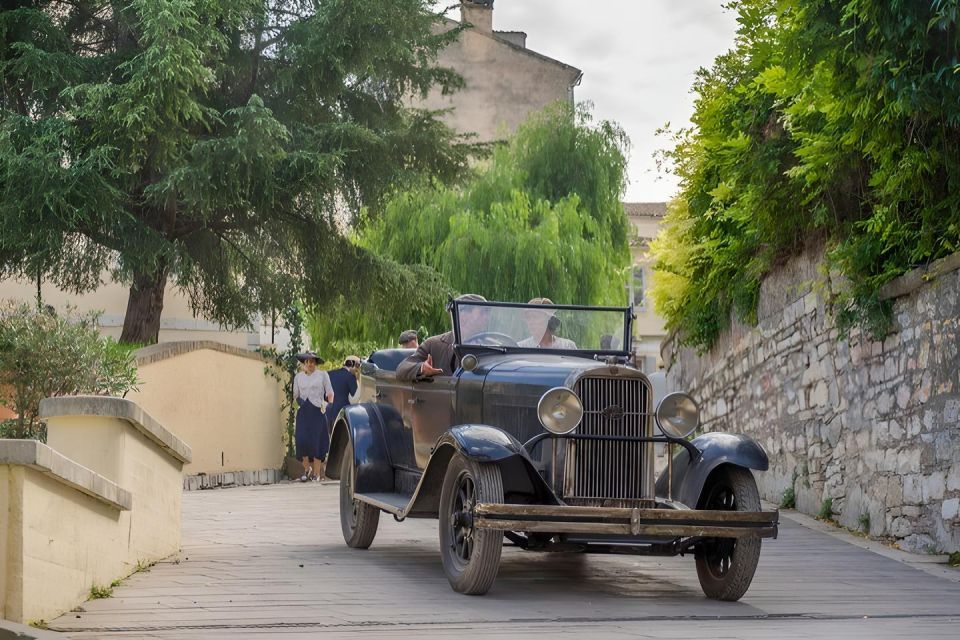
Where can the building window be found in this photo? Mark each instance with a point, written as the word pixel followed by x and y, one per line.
pixel 635 286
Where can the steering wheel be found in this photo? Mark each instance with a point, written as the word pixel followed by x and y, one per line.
pixel 491 339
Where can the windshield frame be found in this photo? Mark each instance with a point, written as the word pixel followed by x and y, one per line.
pixel 453 306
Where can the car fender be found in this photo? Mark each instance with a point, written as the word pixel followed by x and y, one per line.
pixel 486 444
pixel 690 473
pixel 363 426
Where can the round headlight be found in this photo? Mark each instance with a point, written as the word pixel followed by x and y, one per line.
pixel 678 415
pixel 559 410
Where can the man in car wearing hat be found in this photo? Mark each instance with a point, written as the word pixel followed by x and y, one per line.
pixel 435 356
pixel 542 324
pixel 409 339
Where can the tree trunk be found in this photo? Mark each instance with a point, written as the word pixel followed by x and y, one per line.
pixel 141 325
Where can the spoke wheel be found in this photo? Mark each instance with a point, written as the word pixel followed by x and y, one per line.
pixel 358 520
pixel 471 556
pixel 726 566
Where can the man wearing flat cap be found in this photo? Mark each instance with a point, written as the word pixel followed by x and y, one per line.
pixel 435 356
pixel 409 339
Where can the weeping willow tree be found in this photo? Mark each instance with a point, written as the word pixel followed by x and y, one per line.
pixel 219 145
pixel 542 218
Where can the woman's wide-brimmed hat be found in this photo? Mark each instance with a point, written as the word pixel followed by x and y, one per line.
pixel 309 355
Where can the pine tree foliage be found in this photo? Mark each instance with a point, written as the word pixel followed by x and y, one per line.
pixel 220 144
pixel 832 121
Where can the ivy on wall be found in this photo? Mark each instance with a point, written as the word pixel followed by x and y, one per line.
pixel 832 121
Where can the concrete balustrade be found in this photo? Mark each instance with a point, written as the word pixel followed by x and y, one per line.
pixel 100 498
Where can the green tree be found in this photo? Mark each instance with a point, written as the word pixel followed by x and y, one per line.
pixel 222 145
pixel 831 121
pixel 542 218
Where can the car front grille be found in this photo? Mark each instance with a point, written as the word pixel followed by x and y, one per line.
pixel 611 473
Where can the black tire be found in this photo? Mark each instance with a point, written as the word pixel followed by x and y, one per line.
pixel 726 566
pixel 471 557
pixel 358 520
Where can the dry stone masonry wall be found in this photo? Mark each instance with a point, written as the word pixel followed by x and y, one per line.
pixel 870 429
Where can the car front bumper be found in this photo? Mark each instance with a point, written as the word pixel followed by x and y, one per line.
pixel 681 523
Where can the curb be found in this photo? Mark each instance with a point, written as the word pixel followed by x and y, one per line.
pixel 935 564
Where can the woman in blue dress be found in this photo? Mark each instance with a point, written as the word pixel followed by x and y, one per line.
pixel 312 392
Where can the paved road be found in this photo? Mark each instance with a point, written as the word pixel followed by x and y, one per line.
pixel 270 562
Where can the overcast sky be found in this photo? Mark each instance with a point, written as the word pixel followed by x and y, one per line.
pixel 638 59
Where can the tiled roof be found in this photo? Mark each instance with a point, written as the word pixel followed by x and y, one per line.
pixel 645 209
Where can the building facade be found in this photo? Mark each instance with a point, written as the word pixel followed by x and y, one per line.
pixel 648 328
pixel 504 81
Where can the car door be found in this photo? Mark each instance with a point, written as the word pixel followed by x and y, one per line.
pixel 393 394
pixel 431 413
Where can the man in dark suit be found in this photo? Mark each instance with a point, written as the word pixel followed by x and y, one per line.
pixel 435 356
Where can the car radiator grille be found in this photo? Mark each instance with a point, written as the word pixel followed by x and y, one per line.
pixel 610 473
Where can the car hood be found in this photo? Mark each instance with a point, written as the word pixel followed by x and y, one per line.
pixel 550 366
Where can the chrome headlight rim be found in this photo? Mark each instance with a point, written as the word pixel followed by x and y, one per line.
pixel 673 401
pixel 547 415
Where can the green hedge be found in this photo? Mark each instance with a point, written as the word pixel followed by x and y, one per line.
pixel 830 121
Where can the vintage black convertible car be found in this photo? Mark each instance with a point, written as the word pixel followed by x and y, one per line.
pixel 545 438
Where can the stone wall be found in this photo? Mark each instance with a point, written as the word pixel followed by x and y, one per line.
pixel 872 425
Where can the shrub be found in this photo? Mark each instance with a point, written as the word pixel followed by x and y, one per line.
pixel 43 354
pixel 789 498
pixel 826 509
pixel 833 123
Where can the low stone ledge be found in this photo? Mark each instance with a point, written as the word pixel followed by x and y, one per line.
pixel 231 479
pixel 913 280
pixel 164 350
pixel 123 409
pixel 38 456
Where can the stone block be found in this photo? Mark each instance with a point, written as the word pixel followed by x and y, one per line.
pixel 884 403
pixel 896 431
pixel 934 486
pixel 950 508
pixel 912 488
pixel 951 411
pixel 903 395
pixel 923 392
pixel 953 478
pixel 908 461
pixel 819 396
pixel 830 432
pixel 900 527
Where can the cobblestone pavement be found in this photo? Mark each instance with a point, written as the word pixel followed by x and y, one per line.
pixel 269 561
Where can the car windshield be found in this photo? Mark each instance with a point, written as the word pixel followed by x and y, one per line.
pixel 536 326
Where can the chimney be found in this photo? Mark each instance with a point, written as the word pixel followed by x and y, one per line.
pixel 479 13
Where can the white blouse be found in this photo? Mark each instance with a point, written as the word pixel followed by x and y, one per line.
pixel 313 387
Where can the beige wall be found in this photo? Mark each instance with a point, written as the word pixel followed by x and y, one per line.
pixel 102 497
pixel 504 83
pixel 123 454
pixel 70 542
pixel 219 402
pixel 177 322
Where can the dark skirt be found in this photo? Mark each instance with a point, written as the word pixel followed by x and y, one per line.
pixel 311 436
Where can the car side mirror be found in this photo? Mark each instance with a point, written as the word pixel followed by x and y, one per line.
pixel 368 368
pixel 469 362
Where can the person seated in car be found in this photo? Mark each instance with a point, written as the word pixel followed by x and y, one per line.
pixel 435 355
pixel 542 325
pixel 409 339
